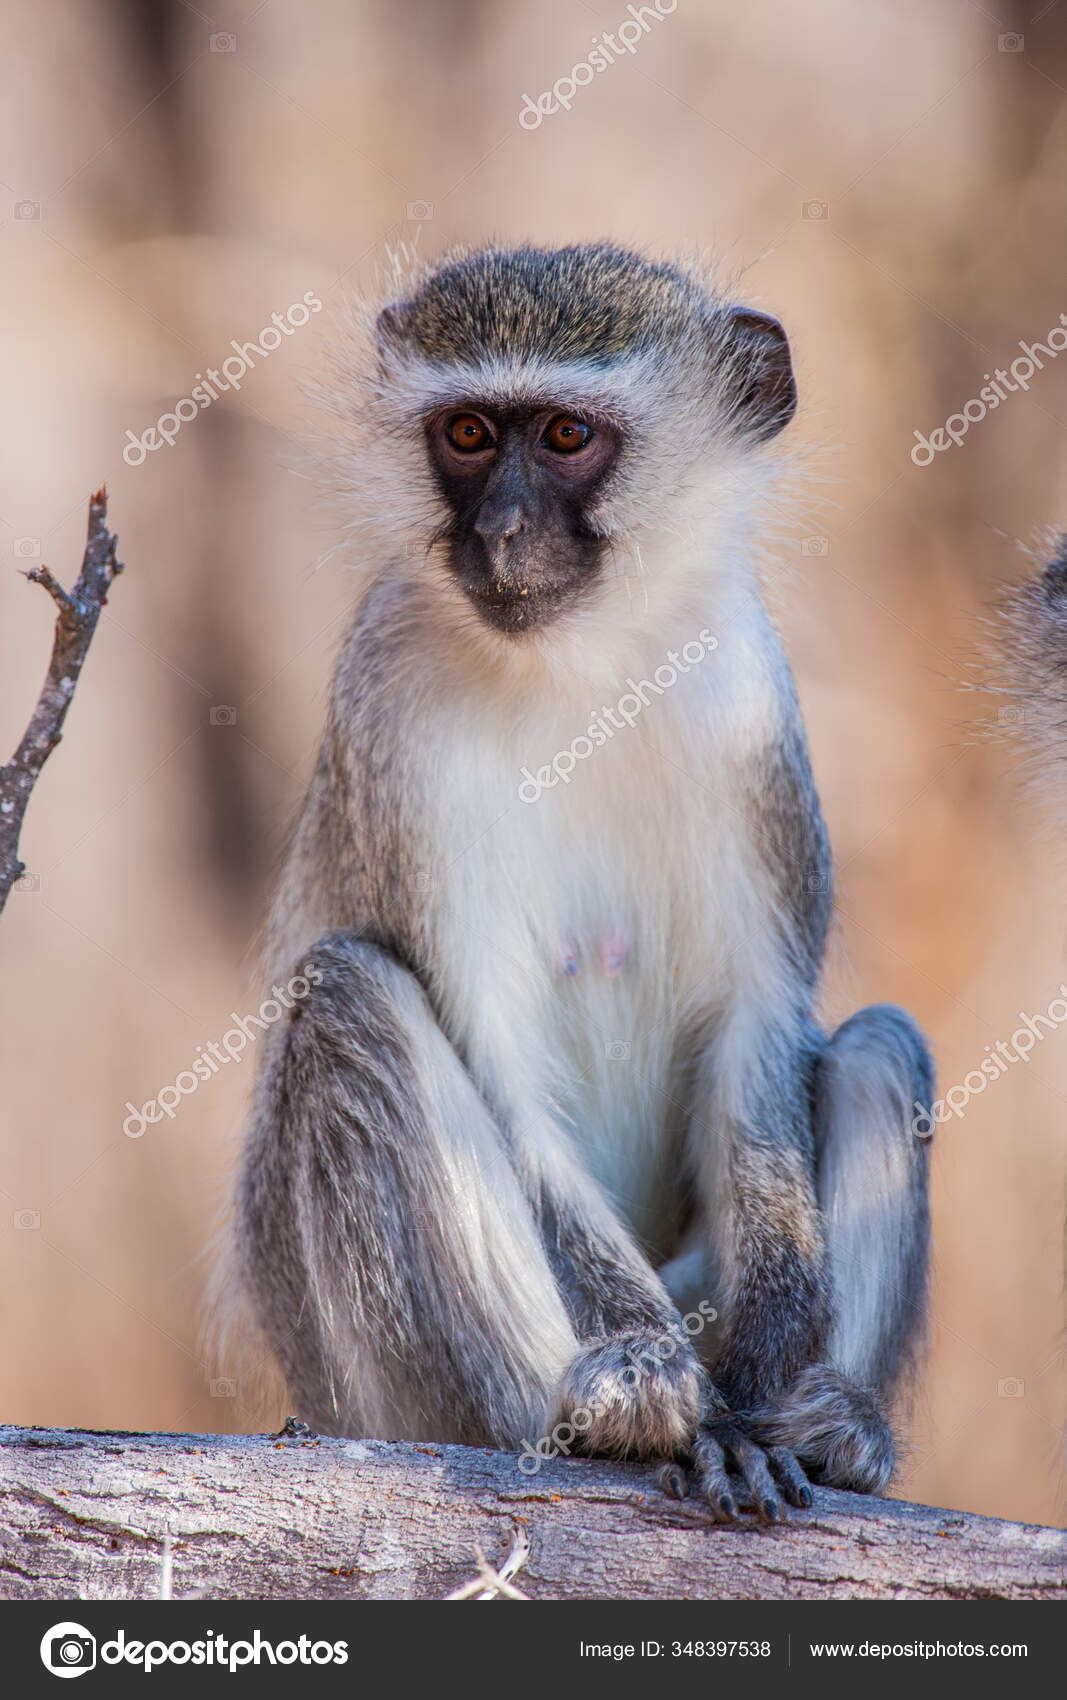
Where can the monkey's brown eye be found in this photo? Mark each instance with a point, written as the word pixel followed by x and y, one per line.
pixel 468 433
pixel 564 435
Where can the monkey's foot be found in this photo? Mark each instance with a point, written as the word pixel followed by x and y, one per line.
pixel 637 1395
pixel 837 1428
pixel 761 1475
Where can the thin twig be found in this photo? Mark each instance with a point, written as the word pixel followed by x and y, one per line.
pixel 490 1584
pixel 79 610
pixel 166 1569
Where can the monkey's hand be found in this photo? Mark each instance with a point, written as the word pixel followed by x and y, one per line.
pixel 638 1394
pixel 725 1444
pixel 644 1394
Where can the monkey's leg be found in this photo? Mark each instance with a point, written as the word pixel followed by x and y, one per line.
pixel 871 1178
pixel 387 1246
pixel 754 1166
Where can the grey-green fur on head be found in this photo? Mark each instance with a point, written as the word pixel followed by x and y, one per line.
pixel 593 302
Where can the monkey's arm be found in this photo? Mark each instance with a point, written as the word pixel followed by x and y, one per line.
pixel 637 1375
pixel 754 1160
pixel 751 1136
pixel 752 1155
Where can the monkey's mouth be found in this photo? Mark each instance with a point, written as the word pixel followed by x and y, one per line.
pixel 516 608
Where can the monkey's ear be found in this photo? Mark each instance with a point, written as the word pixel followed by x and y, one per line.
pixel 761 389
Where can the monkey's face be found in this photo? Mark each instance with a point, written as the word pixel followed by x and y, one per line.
pixel 520 484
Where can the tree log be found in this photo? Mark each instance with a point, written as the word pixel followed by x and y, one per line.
pixel 137 1516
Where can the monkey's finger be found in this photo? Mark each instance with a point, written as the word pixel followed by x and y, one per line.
pixel 713 1479
pixel 789 1474
pixel 751 1463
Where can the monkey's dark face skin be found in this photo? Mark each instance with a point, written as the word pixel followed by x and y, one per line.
pixel 520 483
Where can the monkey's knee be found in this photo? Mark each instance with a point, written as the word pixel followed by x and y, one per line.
pixel 877 1067
pixel 872 1080
pixel 357 993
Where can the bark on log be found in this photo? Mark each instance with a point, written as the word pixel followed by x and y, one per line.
pixel 106 1516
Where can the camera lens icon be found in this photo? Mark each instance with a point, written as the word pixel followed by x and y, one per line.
pixel 68 1650
pixel 74 1650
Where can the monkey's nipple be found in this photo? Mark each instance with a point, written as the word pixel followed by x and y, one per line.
pixel 568 956
pixel 614 952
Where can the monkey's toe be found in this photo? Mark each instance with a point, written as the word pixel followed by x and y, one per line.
pixel 789 1473
pixel 712 1477
pixel 674 1481
pixel 635 1396
pixel 723 1451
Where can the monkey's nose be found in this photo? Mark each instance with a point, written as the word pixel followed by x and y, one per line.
pixel 496 529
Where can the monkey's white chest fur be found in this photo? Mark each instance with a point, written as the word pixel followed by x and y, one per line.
pixel 585 934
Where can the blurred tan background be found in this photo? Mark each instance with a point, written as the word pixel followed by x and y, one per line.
pixel 891 181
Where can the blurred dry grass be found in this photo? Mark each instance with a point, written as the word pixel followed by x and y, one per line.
pixel 186 194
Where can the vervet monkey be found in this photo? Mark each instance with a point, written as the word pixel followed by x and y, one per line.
pixel 562 1080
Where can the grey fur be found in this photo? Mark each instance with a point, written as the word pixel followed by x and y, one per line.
pixel 1035 631
pixel 871 1075
pixel 594 302
pixel 444 1230
pixel 836 1429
